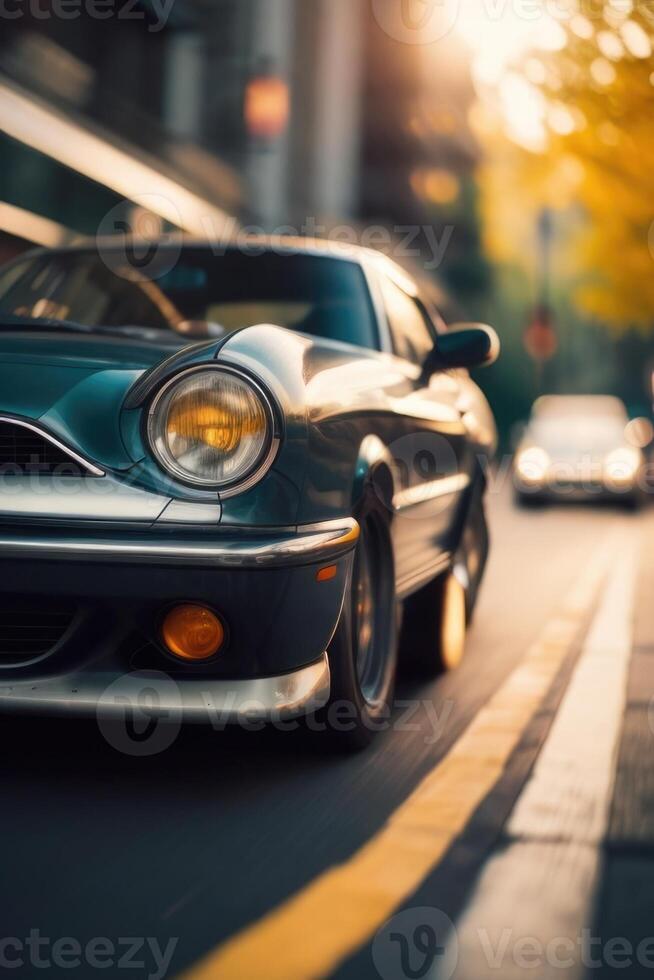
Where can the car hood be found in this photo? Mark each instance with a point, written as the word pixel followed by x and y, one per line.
pixel 75 385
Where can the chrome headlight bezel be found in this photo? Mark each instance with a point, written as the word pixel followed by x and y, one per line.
pixel 254 473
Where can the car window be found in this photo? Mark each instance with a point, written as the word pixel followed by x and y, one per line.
pixel 410 330
pixel 79 287
pixel 318 295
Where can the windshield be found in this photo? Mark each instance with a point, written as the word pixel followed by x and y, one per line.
pixel 201 295
pixel 578 408
pixel 572 434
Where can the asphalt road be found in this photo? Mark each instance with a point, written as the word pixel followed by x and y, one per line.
pixel 190 846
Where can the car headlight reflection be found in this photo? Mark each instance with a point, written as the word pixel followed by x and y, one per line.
pixel 212 427
pixel 533 464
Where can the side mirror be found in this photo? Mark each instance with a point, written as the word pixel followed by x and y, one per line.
pixel 465 345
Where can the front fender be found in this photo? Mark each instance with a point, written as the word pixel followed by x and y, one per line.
pixel 329 398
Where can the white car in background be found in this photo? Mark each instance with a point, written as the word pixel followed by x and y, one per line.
pixel 582 446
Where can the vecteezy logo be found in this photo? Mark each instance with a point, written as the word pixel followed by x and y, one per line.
pixel 425 941
pixel 131 240
pixel 426 476
pixel 416 21
pixel 416 944
pixel 416 14
pixel 140 714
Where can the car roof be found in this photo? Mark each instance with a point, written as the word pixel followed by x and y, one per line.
pixel 560 406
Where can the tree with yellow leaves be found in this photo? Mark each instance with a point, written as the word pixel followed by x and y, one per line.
pixel 593 162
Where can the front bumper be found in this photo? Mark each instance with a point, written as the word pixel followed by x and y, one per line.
pixel 576 490
pixel 152 695
pixel 279 617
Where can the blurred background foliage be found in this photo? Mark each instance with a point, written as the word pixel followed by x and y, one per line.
pixel 566 192
pixel 586 152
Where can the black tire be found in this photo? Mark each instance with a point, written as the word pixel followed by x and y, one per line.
pixel 435 618
pixel 363 678
pixel 472 555
pixel 633 502
pixel 434 627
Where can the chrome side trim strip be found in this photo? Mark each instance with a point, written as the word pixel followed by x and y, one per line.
pixel 90 468
pixel 423 492
pixel 77 499
pixel 316 543
pixel 190 700
pixel 187 512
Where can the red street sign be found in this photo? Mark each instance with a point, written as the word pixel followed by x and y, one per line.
pixel 539 338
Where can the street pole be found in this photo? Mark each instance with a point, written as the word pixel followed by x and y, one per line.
pixel 540 338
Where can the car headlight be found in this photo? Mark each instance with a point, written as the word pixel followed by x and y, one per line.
pixel 213 427
pixel 533 463
pixel 622 464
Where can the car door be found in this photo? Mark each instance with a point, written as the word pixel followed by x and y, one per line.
pixel 429 446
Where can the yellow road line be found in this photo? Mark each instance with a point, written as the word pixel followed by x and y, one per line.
pixel 332 916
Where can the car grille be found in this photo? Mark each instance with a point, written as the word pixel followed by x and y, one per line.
pixel 23 451
pixel 28 630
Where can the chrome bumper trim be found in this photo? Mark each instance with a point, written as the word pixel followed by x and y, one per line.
pixel 146 695
pixel 304 545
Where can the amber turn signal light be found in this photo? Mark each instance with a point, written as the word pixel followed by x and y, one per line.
pixel 327 574
pixel 192 632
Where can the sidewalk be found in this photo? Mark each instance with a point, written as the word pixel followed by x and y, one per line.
pixel 625 908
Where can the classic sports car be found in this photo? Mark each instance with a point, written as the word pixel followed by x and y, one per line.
pixel 251 510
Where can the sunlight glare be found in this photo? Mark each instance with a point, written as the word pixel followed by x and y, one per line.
pixel 523 108
pixel 602 72
pixel 610 45
pixel 636 40
pixel 616 11
pixel 498 35
pixel 582 27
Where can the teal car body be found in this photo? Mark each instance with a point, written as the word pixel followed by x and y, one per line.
pixel 119 539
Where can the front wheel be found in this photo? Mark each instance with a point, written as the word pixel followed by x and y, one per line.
pixel 363 652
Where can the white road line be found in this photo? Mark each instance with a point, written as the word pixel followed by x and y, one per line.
pixel 534 900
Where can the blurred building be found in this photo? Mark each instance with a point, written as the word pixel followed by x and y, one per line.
pixel 286 114
pixel 90 117
pixel 418 152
